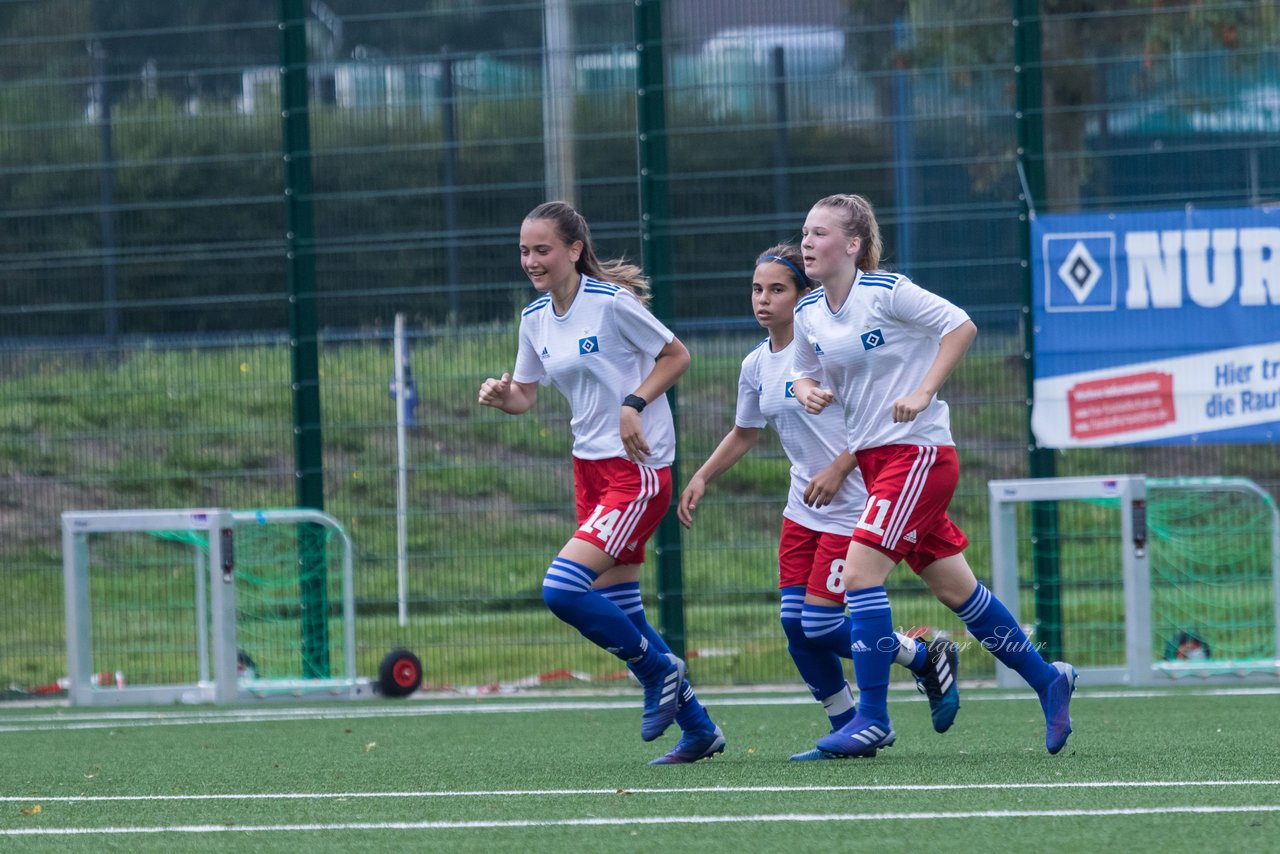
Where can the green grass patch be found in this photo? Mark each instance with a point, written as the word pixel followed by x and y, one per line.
pixel 459 773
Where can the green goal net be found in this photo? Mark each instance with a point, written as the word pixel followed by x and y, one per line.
pixel 1144 577
pixel 1213 548
pixel 289 615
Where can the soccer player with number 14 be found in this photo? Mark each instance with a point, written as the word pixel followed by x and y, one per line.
pixel 590 335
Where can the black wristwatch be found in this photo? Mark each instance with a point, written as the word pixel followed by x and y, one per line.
pixel 635 401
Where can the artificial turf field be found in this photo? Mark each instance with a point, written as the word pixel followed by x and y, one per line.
pixel 1189 768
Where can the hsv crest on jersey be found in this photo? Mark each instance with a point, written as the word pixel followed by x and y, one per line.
pixel 588 345
pixel 872 339
pixel 790 392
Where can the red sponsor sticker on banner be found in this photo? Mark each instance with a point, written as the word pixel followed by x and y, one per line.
pixel 1120 404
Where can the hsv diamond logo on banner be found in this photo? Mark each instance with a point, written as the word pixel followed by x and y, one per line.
pixel 1156 327
pixel 1080 272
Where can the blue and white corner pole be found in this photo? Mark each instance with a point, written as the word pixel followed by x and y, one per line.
pixel 404 393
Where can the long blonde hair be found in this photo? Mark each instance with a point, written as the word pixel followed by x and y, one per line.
pixel 572 226
pixel 859 220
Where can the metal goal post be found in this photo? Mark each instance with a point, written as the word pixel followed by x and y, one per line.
pixel 197 605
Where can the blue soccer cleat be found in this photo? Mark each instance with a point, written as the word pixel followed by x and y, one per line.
pixel 814 755
pixel 662 699
pixel 1056 702
pixel 937 681
pixel 858 738
pixel 694 745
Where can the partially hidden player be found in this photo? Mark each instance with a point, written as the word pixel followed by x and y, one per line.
pixel 825 497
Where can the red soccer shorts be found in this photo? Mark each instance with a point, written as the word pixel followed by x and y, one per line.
pixel 909 488
pixel 814 559
pixel 620 504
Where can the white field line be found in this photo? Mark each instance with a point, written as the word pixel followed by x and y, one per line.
pixel 690 790
pixel 615 822
pixel 76 719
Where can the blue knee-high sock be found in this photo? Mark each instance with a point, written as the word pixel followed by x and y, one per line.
pixel 995 628
pixel 627 597
pixel 829 627
pixel 825 626
pixel 818 664
pixel 873 643
pixel 567 591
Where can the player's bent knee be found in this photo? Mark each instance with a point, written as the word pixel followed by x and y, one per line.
pixel 794 630
pixel 560 597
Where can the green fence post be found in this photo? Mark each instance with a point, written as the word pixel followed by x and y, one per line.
pixel 1041 461
pixel 308 445
pixel 655 236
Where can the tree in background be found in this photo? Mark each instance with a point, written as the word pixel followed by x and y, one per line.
pixel 1080 40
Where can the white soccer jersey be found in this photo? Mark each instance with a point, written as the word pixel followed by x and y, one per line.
pixel 875 350
pixel 810 442
pixel 597 353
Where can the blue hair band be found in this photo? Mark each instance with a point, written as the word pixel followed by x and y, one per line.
pixel 804 280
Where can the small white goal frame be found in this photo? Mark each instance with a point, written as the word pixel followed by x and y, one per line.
pixel 1139 667
pixel 215 606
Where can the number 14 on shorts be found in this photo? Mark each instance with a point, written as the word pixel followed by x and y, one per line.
pixel 600 523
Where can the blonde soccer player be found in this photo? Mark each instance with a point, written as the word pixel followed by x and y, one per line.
pixel 879 347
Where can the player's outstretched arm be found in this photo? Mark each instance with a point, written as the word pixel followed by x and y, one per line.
pixel 732 447
pixel 508 395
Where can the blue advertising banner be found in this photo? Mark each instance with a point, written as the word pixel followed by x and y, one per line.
pixel 1156 327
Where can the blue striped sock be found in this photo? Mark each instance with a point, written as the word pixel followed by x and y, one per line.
pixel 829 627
pixel 566 589
pixel 995 628
pixel 826 627
pixel 627 597
pixel 873 645
pixel 818 666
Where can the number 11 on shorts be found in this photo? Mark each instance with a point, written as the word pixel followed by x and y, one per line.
pixel 881 509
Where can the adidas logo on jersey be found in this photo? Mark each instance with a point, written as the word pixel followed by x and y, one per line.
pixel 545 354
pixel 817 349
pixel 910 536
pixel 859 646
